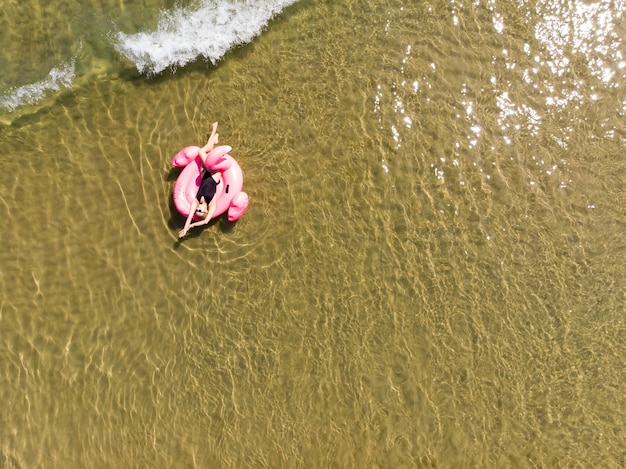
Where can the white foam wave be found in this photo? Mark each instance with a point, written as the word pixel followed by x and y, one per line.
pixel 207 31
pixel 58 78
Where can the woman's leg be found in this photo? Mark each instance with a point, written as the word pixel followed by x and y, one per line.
pixel 210 144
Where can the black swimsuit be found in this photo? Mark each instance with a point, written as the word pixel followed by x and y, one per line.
pixel 207 187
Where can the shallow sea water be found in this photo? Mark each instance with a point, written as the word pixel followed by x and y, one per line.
pixel 431 272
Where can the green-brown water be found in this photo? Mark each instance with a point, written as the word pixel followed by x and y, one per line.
pixel 431 272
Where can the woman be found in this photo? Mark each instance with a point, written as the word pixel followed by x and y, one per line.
pixel 203 205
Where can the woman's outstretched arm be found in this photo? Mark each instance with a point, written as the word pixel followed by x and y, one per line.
pixel 192 211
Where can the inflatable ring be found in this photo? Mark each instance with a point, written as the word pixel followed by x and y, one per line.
pixel 228 195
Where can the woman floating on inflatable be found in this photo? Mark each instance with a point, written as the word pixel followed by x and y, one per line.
pixel 209 185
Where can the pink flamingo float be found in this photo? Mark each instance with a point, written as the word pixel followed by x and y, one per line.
pixel 228 196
